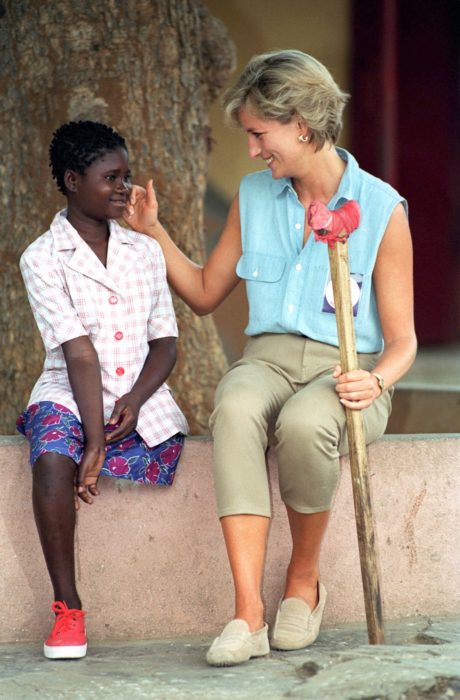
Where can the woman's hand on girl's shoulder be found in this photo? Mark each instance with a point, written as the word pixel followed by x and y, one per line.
pixel 141 211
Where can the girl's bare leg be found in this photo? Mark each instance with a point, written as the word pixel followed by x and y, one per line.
pixel 54 510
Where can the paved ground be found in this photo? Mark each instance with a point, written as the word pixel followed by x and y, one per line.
pixel 421 660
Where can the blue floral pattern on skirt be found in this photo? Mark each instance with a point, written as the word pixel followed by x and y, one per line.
pixel 51 427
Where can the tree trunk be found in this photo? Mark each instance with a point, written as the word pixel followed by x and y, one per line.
pixel 149 68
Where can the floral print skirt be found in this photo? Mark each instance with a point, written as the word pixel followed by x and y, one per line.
pixel 51 427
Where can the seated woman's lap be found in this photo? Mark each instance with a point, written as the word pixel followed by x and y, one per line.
pixel 302 414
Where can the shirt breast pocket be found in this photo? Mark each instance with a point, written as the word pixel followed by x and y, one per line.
pixel 264 283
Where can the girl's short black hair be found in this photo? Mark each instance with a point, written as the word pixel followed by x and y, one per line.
pixel 76 145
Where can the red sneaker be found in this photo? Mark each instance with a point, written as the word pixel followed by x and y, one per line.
pixel 68 637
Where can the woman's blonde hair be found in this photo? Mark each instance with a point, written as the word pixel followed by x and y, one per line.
pixel 289 84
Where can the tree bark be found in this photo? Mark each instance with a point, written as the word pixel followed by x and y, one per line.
pixel 149 68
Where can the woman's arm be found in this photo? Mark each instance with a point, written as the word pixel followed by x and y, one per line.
pixel 203 288
pixel 393 280
pixel 85 379
pixel 394 292
pixel 157 367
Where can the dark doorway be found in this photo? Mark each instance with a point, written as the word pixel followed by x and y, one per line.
pixel 406 130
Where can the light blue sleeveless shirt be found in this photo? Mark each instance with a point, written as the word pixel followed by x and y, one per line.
pixel 288 284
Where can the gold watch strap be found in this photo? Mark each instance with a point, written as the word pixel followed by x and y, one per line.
pixel 380 381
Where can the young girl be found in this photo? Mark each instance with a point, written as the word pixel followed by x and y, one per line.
pixel 101 302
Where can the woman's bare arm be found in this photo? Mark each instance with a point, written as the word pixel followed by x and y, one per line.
pixel 203 288
pixel 393 280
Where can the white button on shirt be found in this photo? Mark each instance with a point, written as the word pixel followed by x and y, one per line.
pixel 298 267
pixel 298 226
pixel 291 308
pixel 68 290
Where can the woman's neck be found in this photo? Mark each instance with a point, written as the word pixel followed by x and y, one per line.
pixel 321 178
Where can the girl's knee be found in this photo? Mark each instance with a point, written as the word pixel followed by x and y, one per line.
pixel 53 467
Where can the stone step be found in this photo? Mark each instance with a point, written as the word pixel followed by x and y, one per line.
pixel 151 563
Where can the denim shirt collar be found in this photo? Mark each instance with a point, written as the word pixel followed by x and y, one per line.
pixel 346 186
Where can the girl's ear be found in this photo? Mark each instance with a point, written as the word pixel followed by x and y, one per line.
pixel 70 180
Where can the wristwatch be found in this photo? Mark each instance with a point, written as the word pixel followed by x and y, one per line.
pixel 380 381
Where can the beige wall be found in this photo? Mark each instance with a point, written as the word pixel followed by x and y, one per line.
pixel 160 553
pixel 318 27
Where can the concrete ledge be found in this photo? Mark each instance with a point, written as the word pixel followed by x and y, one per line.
pixel 151 562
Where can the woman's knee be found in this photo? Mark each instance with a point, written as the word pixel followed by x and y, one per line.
pixel 308 482
pixel 307 451
pixel 238 404
pixel 308 430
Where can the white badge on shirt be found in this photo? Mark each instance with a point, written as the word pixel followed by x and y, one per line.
pixel 356 283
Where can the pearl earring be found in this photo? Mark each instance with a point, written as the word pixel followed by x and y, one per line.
pixel 303 139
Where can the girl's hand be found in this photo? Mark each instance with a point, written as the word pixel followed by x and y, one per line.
pixel 141 212
pixel 124 416
pixel 357 389
pixel 87 474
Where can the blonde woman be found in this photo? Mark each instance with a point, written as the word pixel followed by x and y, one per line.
pixel 288 389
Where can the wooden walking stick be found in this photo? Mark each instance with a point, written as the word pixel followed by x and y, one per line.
pixel 334 227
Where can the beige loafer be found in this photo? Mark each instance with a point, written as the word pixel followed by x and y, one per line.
pixel 238 644
pixel 296 625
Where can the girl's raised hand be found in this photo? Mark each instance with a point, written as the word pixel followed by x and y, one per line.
pixel 141 212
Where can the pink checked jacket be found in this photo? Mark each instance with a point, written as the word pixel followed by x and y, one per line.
pixel 121 307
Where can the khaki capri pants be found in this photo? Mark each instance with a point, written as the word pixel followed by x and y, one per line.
pixel 282 393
